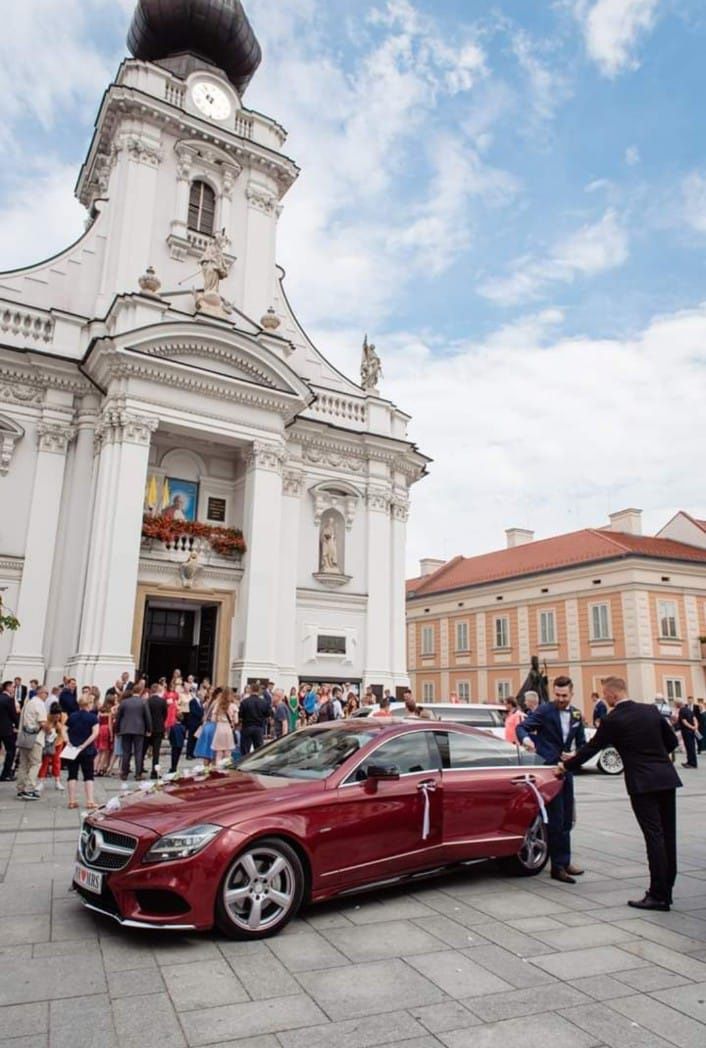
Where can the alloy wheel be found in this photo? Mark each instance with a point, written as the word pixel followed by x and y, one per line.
pixel 610 762
pixel 261 889
pixel 533 853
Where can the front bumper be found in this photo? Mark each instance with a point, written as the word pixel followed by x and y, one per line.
pixel 129 896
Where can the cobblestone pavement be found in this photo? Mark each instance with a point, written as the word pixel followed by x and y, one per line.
pixel 472 960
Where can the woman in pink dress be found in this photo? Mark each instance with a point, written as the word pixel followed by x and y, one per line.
pixel 104 743
pixel 224 713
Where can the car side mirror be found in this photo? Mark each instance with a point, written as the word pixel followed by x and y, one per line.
pixel 383 771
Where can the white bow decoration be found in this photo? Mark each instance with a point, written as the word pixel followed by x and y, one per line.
pixel 426 788
pixel 540 799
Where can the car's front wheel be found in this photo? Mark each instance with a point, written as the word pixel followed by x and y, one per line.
pixel 610 762
pixel 261 891
pixel 532 856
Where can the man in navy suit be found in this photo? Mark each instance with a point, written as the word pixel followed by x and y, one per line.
pixel 193 723
pixel 551 730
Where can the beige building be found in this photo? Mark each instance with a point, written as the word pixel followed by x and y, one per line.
pixel 590 603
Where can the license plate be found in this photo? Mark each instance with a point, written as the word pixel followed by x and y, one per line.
pixel 88 879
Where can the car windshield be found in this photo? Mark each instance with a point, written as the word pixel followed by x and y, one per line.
pixel 314 753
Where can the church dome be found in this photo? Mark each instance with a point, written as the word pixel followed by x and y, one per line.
pixel 216 31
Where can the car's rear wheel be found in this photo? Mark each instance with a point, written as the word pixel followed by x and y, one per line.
pixel 532 856
pixel 610 762
pixel 261 891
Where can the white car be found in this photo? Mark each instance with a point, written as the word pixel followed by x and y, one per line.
pixel 491 718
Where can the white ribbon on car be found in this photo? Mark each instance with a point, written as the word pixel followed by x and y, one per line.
pixel 426 788
pixel 540 799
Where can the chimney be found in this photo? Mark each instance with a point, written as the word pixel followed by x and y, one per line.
pixel 429 565
pixel 518 537
pixel 629 521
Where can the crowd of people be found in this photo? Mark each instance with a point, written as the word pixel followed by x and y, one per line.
pixel 46 731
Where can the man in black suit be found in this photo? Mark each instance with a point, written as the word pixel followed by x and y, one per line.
pixel 688 725
pixel 20 692
pixel 552 729
pixel 254 713
pixel 67 697
pixel 194 719
pixel 644 740
pixel 158 712
pixel 9 719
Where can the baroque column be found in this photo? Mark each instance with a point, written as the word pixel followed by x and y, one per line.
pixel 28 657
pixel 378 661
pixel 123 439
pixel 292 487
pixel 255 628
pixel 398 611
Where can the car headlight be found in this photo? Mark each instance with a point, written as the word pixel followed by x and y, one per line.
pixel 183 843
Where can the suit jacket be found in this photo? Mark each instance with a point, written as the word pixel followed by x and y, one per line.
pixel 9 717
pixel 133 717
pixel 544 726
pixel 644 740
pixel 68 701
pixel 254 711
pixel 195 715
pixel 158 712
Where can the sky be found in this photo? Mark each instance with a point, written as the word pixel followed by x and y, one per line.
pixel 509 198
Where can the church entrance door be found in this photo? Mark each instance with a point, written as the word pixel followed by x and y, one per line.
pixel 179 636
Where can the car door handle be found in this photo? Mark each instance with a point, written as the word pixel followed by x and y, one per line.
pixel 523 780
pixel 425 783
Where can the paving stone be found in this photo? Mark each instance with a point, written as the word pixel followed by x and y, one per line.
pixel 543 1031
pixel 262 975
pixel 457 975
pixel 399 908
pixel 234 1022
pixel 662 955
pixel 449 931
pixel 19 900
pixel 173 949
pixel 512 905
pixel 356 1033
pixel 364 989
pixel 126 952
pixel 574 964
pixel 202 985
pixel 25 1019
pixel 29 928
pixel 536 924
pixel 374 942
pixel 141 1019
pixel 651 978
pixel 82 1022
pixel 691 1000
pixel 306 952
pixel 530 1001
pixel 513 940
pixel 439 1018
pixel 515 970
pixel 22 981
pixel 33 1040
pixel 611 1028
pixel 136 982
pixel 67 948
pixel 645 929
pixel 588 935
pixel 662 1020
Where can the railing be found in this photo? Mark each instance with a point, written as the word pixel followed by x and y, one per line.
pixel 23 322
pixel 339 407
pixel 243 125
pixel 174 93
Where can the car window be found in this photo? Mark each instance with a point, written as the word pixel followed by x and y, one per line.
pixel 410 753
pixel 474 751
pixel 313 753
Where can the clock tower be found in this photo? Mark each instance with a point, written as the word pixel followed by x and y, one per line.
pixel 176 157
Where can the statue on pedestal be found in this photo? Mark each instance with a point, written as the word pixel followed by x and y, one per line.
pixel 370 367
pixel 214 268
pixel 329 547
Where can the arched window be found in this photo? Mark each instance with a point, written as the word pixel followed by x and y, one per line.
pixel 202 208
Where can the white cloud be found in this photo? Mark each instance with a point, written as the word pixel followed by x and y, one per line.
pixel 591 250
pixel 694 201
pixel 612 29
pixel 531 429
pixel 548 88
pixel 632 156
pixel 39 209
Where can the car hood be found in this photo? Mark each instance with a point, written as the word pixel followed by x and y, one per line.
pixel 222 798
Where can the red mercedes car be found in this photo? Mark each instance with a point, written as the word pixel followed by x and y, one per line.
pixel 328 810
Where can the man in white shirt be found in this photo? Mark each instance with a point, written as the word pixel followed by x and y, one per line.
pixel 33 722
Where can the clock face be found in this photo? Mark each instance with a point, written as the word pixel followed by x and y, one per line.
pixel 211 100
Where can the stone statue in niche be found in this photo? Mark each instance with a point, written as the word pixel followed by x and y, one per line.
pixel 328 555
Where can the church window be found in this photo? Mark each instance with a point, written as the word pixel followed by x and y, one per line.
pixel 202 208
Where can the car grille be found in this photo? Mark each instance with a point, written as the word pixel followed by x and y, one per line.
pixel 105 850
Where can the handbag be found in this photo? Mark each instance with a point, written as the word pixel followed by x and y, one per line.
pixel 49 745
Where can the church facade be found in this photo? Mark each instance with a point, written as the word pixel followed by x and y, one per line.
pixel 187 480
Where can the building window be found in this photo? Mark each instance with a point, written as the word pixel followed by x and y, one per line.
pixel 464 691
pixel 667 615
pixel 674 688
pixel 328 645
pixel 461 636
pixel 502 632
pixel 503 690
pixel 202 208
pixel 428 691
pixel 600 622
pixel 427 640
pixel 547 628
